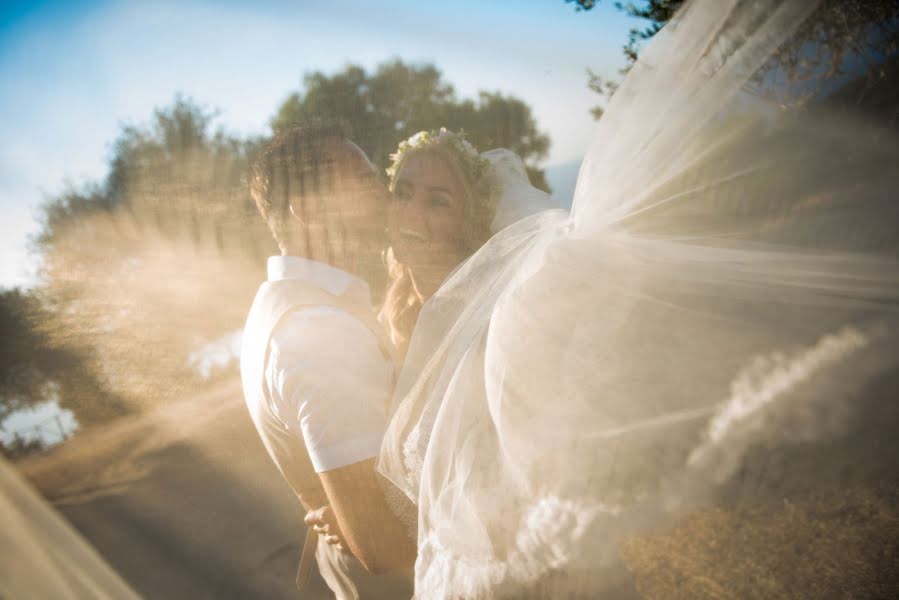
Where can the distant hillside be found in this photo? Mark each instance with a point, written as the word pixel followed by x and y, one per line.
pixel 562 179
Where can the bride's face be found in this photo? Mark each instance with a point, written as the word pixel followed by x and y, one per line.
pixel 427 217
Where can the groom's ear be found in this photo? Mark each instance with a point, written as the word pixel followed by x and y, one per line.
pixel 297 215
pixel 374 169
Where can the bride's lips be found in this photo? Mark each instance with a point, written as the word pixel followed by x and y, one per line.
pixel 416 249
pixel 415 235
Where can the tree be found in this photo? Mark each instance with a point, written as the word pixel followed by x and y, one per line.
pixel 398 100
pixel 582 4
pixel 657 12
pixel 165 253
pixel 160 257
pixel 34 368
pixel 827 46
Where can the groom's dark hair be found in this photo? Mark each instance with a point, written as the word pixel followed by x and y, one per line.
pixel 292 163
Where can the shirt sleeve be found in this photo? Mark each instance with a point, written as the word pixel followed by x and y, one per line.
pixel 330 380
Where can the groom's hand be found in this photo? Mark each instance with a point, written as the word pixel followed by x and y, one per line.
pixel 323 522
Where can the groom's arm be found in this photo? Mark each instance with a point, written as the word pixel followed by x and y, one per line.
pixel 332 379
pixel 370 529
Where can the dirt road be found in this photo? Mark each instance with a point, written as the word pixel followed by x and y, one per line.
pixel 183 502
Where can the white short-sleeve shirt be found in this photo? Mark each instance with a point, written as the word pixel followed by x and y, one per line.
pixel 328 378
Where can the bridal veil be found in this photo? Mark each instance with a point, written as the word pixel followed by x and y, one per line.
pixel 725 285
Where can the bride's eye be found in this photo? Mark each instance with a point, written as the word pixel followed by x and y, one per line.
pixel 440 199
pixel 403 191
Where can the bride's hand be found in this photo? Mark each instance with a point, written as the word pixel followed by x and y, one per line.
pixel 323 522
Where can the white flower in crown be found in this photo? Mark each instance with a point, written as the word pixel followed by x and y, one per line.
pixel 421 138
pixel 486 190
pixel 471 161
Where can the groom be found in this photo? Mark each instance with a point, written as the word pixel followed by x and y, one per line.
pixel 316 368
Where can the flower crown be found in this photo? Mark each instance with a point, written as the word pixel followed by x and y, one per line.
pixel 471 162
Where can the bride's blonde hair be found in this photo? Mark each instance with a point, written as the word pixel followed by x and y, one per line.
pixel 403 299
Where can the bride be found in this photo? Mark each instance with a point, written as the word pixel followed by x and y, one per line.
pixel 448 201
pixel 726 282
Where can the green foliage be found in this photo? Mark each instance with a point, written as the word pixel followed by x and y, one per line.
pixel 583 4
pixel 398 100
pixel 136 271
pixel 161 257
pixel 165 253
pixel 827 46
pixel 657 12
pixel 35 367
pixel 25 356
pixel 20 447
pixel 176 172
pixel 842 40
pixel 603 87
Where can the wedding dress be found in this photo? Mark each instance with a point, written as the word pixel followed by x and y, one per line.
pixel 727 280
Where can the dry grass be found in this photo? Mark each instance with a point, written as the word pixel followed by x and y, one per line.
pixel 834 544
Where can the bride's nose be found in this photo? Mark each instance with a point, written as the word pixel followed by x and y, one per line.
pixel 413 221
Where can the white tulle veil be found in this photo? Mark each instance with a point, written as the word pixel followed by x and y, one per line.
pixel 516 197
pixel 727 280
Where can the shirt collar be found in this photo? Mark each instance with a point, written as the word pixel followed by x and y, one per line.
pixel 331 279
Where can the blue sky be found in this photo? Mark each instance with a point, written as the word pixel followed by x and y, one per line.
pixel 72 72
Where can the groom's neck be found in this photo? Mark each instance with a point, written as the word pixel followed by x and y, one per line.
pixel 368 267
